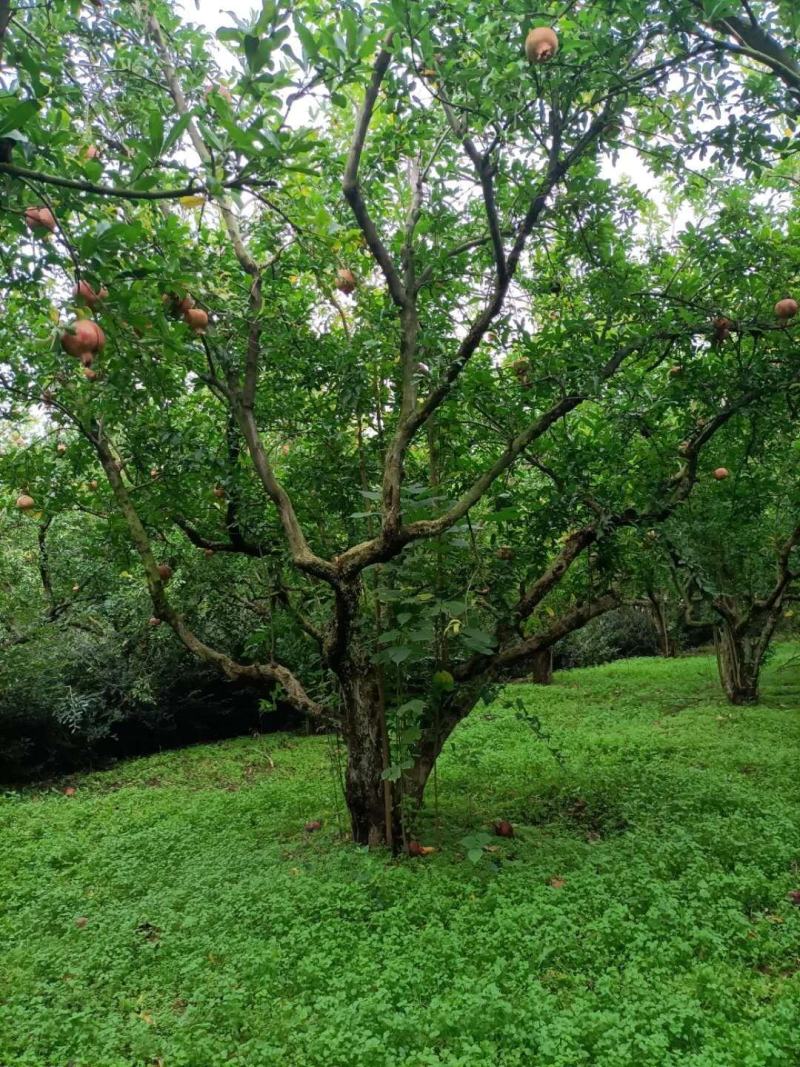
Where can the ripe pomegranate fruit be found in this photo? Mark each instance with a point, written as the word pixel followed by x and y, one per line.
pixel 346 281
pixel 541 44
pixel 222 89
pixel 83 336
pixel 721 473
pixel 786 309
pixel 25 502
pixel 40 219
pixel 85 294
pixel 722 328
pixel 164 572
pixel 177 306
pixel 521 369
pixel 503 828
pixel 196 319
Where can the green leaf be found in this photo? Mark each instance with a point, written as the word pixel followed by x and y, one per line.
pixel 17 116
pixel 399 653
pixel 155 127
pixel 306 39
pixel 177 131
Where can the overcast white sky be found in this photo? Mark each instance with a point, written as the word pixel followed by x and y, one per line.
pixel 213 13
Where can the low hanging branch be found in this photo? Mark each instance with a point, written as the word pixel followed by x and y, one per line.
pixel 273 673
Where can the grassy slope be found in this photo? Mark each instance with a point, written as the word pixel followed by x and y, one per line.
pixel 220 933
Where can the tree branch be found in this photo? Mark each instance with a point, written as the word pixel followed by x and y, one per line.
pixel 120 192
pixel 350 183
pixel 522 651
pixel 273 673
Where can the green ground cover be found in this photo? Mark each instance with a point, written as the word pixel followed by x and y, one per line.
pixel 174 911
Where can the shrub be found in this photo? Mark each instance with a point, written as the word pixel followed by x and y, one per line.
pixel 619 634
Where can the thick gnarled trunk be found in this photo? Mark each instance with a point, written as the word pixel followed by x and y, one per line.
pixel 739 658
pixel 542 667
pixel 371 799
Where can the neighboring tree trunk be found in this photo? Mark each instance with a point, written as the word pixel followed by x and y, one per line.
pixel 668 646
pixel 740 654
pixel 542 667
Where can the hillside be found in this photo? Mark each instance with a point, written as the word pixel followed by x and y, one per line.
pixel 174 911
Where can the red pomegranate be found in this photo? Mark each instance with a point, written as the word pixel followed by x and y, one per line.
pixel 196 319
pixel 786 309
pixel 541 44
pixel 346 281
pixel 40 219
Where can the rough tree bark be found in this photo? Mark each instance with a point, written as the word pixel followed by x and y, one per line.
pixel 365 786
pixel 542 667
pixel 741 646
pixel 739 663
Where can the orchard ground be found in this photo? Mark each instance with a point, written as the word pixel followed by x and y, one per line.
pixel 175 912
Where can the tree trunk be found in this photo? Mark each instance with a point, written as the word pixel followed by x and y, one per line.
pixel 435 733
pixel 371 800
pixel 658 610
pixel 542 667
pixel 739 657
